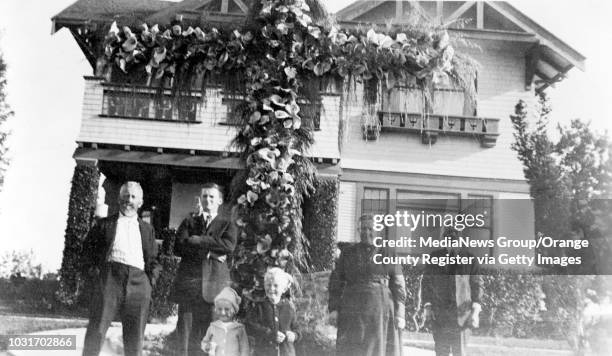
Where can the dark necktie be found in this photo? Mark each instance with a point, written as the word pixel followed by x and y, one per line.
pixel 207 220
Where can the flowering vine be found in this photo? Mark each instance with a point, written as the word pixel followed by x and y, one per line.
pixel 273 61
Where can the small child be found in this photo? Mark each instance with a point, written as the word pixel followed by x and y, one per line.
pixel 226 336
pixel 272 321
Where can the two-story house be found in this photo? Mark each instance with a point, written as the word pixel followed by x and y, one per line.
pixel 459 150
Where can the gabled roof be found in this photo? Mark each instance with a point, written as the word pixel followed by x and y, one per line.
pixel 136 12
pixel 549 58
pixel 87 11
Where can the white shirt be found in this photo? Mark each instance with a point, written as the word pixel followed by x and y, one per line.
pixel 210 216
pixel 127 247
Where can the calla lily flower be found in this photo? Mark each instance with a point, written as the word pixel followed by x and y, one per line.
pixel 154 30
pixel 264 244
pixel 254 117
pixel 242 199
pixel 130 44
pixel 283 163
pixel 114 29
pixel 252 197
pixel 268 154
pixel 177 30
pixel 189 31
pixel 255 141
pixel 286 178
pixel 277 100
pixel 127 32
pixel 290 72
pixel 159 54
pixel 200 35
pixel 314 31
pixel 401 37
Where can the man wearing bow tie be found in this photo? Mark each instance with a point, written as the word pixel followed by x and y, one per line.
pixel 120 254
pixel 451 296
pixel 204 241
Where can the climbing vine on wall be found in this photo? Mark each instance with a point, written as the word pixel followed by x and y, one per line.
pixel 272 63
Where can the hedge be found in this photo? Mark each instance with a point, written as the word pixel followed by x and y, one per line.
pixel 161 307
pixel 320 223
pixel 81 208
pixel 517 304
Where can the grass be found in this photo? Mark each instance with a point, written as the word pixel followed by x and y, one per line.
pixel 18 324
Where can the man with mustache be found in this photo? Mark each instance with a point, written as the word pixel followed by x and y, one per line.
pixel 204 241
pixel 120 253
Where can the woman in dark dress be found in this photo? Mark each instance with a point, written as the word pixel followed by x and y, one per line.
pixel 368 300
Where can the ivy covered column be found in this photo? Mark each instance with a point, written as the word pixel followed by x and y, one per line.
pixel 81 208
pixel 321 223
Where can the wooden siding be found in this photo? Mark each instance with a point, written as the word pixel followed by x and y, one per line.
pixel 207 135
pixel 347 212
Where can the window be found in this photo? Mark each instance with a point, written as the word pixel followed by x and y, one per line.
pixel 141 103
pixel 480 204
pixel 375 201
pixel 445 101
pixel 425 204
pixel 430 204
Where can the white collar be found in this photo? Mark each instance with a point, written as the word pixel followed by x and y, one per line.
pixel 130 218
pixel 212 216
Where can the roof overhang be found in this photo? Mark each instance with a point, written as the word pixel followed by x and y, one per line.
pixel 185 160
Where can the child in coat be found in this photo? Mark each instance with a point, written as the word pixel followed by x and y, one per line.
pixel 272 321
pixel 225 336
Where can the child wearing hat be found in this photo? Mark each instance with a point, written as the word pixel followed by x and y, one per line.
pixel 225 336
pixel 272 321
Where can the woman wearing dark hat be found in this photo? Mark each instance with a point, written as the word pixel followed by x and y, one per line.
pixel 367 299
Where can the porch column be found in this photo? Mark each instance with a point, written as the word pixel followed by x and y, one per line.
pixel 81 208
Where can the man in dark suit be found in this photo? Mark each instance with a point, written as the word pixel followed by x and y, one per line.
pixel 204 241
pixel 120 254
pixel 451 295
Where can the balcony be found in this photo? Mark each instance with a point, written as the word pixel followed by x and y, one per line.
pixel 450 113
pixel 138 117
pixel 430 126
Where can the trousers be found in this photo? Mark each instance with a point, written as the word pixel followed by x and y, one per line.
pixel 124 289
pixel 193 321
pixel 450 339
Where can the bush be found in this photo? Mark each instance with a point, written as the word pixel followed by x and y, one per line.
pixel 30 295
pixel 511 304
pixel 317 337
pixel 515 304
pixel 81 207
pixel 161 307
pixel 320 220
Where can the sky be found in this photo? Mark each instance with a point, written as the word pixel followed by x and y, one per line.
pixel 45 89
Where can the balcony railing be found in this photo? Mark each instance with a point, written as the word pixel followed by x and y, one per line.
pixel 145 103
pixel 310 113
pixel 430 126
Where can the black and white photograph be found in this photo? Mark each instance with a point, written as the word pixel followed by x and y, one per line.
pixel 305 177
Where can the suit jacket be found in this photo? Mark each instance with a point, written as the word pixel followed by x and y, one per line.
pixel 197 244
pixel 451 290
pixel 99 242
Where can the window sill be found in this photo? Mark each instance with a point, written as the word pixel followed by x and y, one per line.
pixel 149 119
